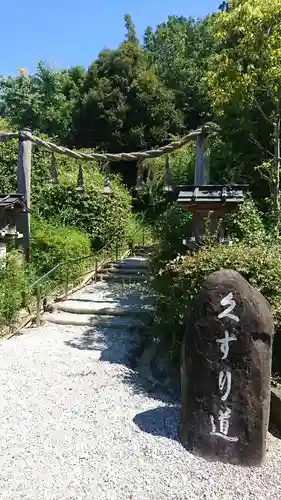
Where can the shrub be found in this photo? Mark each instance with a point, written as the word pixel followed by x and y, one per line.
pixel 101 216
pixel 246 224
pixel 138 230
pixel 178 284
pixel 12 288
pixel 52 244
pixel 170 229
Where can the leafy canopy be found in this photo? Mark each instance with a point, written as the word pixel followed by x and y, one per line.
pixel 247 65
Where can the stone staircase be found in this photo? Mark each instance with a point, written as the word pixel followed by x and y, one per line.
pixel 119 298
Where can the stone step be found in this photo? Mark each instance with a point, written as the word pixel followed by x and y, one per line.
pixel 91 320
pixel 123 266
pixel 122 277
pixel 103 308
pixel 124 299
pixel 122 271
pixel 137 261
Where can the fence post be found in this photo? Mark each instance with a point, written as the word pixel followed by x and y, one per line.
pixel 23 186
pixel 66 283
pixel 38 307
pixel 116 251
pixel 96 269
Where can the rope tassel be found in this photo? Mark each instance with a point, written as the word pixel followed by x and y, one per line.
pixel 140 177
pixel 167 176
pixel 54 171
pixel 80 180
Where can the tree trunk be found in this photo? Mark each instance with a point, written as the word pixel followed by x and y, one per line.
pixel 276 185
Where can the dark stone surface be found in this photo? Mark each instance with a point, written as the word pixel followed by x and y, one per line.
pixel 275 408
pixel 248 361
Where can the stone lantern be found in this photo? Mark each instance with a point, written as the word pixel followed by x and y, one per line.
pixel 10 208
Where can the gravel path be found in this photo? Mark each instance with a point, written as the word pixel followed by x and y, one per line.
pixel 78 423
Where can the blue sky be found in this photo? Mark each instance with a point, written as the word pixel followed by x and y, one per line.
pixel 72 32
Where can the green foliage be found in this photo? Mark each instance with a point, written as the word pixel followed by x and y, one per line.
pixel 8 166
pixel 179 49
pixel 12 288
pixel 181 165
pixel 131 35
pixel 124 105
pixel 138 230
pixel 101 216
pixel 244 82
pixel 51 245
pixel 153 199
pixel 246 224
pixel 44 101
pixel 40 168
pixel 246 65
pixel 178 283
pixel 170 230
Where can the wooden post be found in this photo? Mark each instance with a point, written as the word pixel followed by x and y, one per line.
pixel 202 167
pixel 201 178
pixel 24 178
pixel 276 186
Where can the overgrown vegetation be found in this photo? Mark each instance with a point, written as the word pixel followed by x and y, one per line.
pixel 224 68
pixel 13 289
pixel 179 282
pixel 66 223
pixel 179 274
pixel 53 244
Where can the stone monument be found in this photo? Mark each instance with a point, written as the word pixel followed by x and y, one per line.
pixel 226 371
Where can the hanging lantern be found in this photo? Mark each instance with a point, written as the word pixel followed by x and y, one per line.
pixel 167 176
pixel 80 180
pixel 54 171
pixel 140 177
pixel 107 188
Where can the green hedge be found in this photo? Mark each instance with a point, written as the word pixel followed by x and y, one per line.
pixel 52 244
pixel 13 288
pixel 100 215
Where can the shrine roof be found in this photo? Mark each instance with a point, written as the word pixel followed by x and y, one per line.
pixel 11 201
pixel 211 193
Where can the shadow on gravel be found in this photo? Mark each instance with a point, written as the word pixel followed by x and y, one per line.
pixel 123 347
pixel 115 346
pixel 162 421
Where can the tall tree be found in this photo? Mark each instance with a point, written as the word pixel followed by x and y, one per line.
pixel 125 106
pixel 224 6
pixel 246 71
pixel 131 35
pixel 179 49
pixel 44 101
